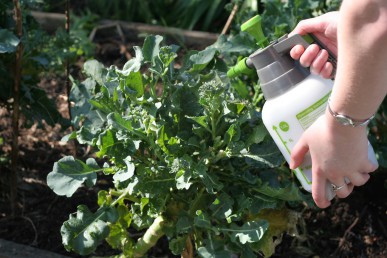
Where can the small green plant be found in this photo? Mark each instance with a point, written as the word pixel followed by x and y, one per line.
pixel 40 55
pixel 188 158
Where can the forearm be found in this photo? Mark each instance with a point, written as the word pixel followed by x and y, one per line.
pixel 361 80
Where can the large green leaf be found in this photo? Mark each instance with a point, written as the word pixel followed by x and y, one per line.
pixel 202 220
pixel 119 235
pixel 201 120
pixel 263 155
pixel 38 107
pixel 214 249
pixel 288 193
pixel 95 70
pixel 8 41
pixel 202 59
pixel 178 244
pixel 69 174
pixel 210 180
pixel 249 232
pixel 222 206
pixel 82 112
pixel 85 231
pixel 134 82
pixel 151 48
pixel 279 222
pixel 133 65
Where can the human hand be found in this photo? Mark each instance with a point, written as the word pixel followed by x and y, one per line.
pixel 337 152
pixel 324 27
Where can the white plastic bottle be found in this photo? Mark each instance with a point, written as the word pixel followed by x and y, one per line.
pixel 288 115
pixel 294 100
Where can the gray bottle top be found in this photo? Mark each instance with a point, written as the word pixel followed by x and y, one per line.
pixel 277 71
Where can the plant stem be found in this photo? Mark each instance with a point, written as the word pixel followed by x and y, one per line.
pixel 188 251
pixel 123 195
pixel 153 87
pixel 16 109
pixel 68 86
pixel 150 238
pixel 196 201
pixel 213 126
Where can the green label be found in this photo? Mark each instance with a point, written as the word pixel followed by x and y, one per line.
pixel 284 126
pixel 310 114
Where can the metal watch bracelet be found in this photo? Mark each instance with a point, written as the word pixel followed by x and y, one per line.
pixel 346 120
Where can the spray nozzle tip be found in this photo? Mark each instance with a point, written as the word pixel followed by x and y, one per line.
pixel 254 27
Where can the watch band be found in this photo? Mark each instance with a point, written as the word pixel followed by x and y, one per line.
pixel 346 120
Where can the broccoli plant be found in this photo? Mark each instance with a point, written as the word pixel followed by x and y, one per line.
pixel 188 158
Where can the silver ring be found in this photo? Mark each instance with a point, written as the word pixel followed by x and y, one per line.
pixel 336 188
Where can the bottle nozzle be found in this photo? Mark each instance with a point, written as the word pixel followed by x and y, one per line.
pixel 244 66
pixel 254 28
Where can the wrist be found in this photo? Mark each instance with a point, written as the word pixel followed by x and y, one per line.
pixel 346 120
pixel 337 127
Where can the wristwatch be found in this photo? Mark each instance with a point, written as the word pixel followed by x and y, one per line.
pixel 346 120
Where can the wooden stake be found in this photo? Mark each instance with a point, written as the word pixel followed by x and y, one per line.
pixel 16 109
pixel 230 19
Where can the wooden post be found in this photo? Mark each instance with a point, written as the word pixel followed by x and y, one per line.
pixel 16 109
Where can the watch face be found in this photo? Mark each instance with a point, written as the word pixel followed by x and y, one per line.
pixel 343 120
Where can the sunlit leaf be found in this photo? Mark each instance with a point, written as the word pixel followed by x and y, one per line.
pixel 69 174
pixel 8 41
pixel 249 232
pixel 85 231
pixel 151 48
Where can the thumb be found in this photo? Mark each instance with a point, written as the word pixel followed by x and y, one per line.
pixel 298 153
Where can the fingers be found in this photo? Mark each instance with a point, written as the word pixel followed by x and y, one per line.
pixel 323 190
pixel 319 61
pixel 298 154
pixel 341 188
pixel 296 52
pixel 327 70
pixel 319 190
pixel 359 179
pixel 309 55
pixel 315 58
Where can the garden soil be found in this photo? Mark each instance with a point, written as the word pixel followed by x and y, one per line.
pixel 351 227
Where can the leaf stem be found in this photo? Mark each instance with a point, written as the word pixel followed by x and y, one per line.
pixel 153 87
pixel 196 202
pixel 123 195
pixel 213 126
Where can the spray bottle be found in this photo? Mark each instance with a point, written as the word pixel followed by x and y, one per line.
pixel 294 97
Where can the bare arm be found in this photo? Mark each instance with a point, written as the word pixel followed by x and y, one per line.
pixel 361 81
